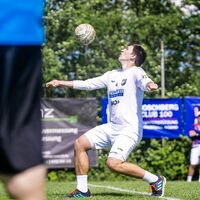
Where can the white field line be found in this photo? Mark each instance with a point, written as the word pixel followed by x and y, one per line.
pixel 129 191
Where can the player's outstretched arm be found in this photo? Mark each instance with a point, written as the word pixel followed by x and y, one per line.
pixel 151 86
pixel 58 83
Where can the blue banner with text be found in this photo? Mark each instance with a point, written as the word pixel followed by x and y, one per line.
pixel 162 118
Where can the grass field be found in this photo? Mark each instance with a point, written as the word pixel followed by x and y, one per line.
pixel 123 190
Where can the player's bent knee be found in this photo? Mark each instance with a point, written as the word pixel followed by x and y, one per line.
pixel 82 143
pixel 78 145
pixel 113 164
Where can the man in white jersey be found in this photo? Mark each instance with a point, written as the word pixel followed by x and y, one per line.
pixel 123 132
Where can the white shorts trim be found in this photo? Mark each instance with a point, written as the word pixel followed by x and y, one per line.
pixel 121 142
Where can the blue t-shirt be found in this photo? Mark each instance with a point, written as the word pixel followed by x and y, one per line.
pixel 21 22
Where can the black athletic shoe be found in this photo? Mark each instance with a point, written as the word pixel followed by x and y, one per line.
pixel 78 194
pixel 158 187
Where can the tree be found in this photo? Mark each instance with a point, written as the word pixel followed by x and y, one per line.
pixel 118 23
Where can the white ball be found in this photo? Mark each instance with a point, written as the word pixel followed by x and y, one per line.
pixel 85 33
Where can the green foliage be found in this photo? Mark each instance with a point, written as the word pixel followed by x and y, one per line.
pixel 167 157
pixel 118 23
pixel 61 175
pixel 160 156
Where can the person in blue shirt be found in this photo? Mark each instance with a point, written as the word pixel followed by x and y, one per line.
pixel 21 38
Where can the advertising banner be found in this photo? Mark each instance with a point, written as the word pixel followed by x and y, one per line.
pixel 161 117
pixel 191 110
pixel 64 120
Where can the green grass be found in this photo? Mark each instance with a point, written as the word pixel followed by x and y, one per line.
pixel 174 189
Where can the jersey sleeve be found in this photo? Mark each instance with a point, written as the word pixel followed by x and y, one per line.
pixel 142 79
pixel 92 84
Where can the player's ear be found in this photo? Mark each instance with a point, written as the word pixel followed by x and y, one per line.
pixel 133 57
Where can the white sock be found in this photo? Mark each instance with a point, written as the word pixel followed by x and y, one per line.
pixel 82 183
pixel 199 178
pixel 189 178
pixel 149 177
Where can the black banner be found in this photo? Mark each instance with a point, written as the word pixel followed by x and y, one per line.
pixel 63 121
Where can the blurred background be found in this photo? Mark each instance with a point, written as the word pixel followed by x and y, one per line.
pixel 169 32
pixel 173 23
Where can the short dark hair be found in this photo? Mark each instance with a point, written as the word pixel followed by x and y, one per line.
pixel 140 54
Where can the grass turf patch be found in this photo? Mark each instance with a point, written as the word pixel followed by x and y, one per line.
pixel 120 190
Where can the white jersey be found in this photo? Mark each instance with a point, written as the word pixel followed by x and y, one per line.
pixel 125 95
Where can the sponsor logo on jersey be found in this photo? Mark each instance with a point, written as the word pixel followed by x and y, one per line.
pixel 123 82
pixel 120 149
pixel 144 76
pixel 116 93
pixel 115 102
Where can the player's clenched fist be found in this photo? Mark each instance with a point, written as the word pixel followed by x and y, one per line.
pixel 59 83
pixel 53 83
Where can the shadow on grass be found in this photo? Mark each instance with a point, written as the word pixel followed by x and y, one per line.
pixel 113 194
pixel 60 196
pixel 100 194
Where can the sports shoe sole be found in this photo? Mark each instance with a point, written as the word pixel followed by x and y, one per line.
pixel 163 187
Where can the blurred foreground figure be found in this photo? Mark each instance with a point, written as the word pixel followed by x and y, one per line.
pixel 21 37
